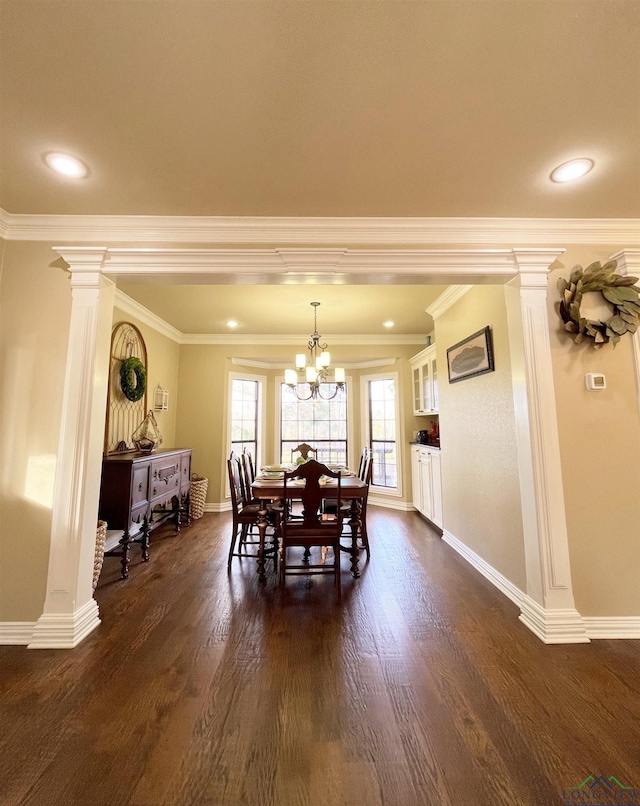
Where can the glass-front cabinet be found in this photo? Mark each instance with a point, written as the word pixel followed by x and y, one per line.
pixel 425 381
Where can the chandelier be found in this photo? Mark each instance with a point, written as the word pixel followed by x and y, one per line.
pixel 316 372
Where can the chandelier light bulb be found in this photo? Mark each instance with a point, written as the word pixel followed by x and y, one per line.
pixel 316 371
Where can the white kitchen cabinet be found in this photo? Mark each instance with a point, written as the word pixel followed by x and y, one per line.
pixel 427 482
pixel 425 381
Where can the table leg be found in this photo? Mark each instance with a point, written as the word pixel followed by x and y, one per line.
pixel 354 524
pixel 262 529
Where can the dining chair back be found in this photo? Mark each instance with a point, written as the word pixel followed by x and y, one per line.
pixel 304 450
pixel 247 476
pixel 316 528
pixel 365 474
pixel 245 516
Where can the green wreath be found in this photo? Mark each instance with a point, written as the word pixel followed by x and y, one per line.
pixel 620 291
pixel 133 369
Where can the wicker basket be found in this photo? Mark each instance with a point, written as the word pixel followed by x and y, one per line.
pixel 101 536
pixel 198 495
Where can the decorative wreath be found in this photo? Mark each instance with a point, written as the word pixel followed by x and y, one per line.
pixel 620 291
pixel 133 369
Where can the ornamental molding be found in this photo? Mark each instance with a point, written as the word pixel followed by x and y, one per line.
pixel 262 363
pixel 447 299
pixel 329 230
pixel 318 264
pixel 132 307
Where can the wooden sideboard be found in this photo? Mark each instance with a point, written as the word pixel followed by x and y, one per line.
pixel 139 491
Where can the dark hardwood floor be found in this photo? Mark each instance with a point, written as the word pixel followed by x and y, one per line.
pixel 419 687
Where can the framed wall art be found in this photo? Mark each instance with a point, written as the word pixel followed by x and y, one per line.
pixel 471 356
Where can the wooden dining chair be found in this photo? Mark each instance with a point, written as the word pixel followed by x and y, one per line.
pixel 247 476
pixel 245 517
pixel 304 450
pixel 315 529
pixel 365 473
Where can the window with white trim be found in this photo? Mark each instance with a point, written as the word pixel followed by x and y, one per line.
pixel 245 415
pixel 382 426
pixel 320 423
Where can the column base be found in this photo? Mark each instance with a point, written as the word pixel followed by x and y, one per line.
pixel 558 626
pixel 65 630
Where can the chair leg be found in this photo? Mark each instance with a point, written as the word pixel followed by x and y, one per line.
pixel 365 538
pixel 234 537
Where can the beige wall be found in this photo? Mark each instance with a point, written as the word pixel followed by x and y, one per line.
pixel 163 355
pixel 202 410
pixel 600 449
pixel 35 305
pixel 481 494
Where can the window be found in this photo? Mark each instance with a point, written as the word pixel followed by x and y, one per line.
pixel 320 423
pixel 382 422
pixel 245 415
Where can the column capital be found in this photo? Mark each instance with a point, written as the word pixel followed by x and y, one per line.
pixel 85 264
pixel 533 265
pixel 628 261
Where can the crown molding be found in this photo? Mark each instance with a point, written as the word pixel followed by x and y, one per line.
pixel 266 364
pixel 293 341
pixel 134 308
pixel 247 230
pixel 447 299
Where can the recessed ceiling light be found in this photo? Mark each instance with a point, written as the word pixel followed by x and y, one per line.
pixel 232 323
pixel 66 165
pixel 571 170
pixel 388 324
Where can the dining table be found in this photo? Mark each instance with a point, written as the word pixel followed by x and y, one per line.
pixel 268 488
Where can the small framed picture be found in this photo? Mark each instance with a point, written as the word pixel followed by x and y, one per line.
pixel 471 356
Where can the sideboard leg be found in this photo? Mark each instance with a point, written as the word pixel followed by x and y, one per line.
pixel 145 540
pixel 124 562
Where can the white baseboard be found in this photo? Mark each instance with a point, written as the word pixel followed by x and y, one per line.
pixel 504 585
pixel 559 626
pixel 390 503
pixel 551 626
pixel 65 630
pixel 16 633
pixel 611 627
pixel 225 506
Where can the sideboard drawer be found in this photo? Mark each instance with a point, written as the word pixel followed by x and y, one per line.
pixel 140 487
pixel 185 472
pixel 165 478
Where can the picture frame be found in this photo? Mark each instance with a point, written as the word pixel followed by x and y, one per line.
pixel 471 357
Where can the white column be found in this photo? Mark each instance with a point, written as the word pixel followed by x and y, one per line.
pixel 548 609
pixel 70 612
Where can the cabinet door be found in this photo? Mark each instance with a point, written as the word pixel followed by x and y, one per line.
pixel 415 478
pixel 417 390
pixel 434 385
pixel 426 386
pixel 425 484
pixel 436 487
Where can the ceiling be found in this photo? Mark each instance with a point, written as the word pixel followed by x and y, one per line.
pixel 286 309
pixel 321 108
pixel 341 108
